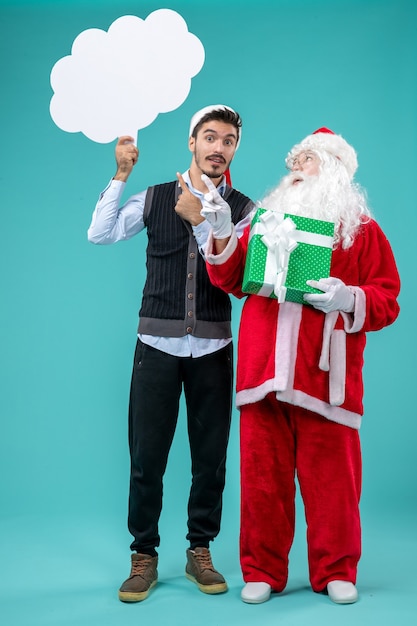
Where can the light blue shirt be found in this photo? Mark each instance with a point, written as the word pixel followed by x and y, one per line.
pixel 111 223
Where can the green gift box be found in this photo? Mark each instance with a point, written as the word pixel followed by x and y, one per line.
pixel 284 252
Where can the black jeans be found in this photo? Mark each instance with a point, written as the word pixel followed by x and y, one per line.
pixel 157 382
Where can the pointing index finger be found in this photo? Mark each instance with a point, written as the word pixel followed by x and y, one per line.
pixel 182 182
pixel 208 183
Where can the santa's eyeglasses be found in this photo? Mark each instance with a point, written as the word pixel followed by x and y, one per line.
pixel 299 160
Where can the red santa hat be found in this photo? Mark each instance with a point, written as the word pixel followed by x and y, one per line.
pixel 324 139
pixel 197 117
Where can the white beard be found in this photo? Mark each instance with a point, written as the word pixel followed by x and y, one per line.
pixel 324 197
pixel 309 197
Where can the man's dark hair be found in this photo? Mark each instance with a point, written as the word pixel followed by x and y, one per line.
pixel 220 115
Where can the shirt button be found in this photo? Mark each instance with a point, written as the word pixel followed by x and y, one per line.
pixel 189 329
pixel 190 313
pixel 192 255
pixel 190 276
pixel 190 296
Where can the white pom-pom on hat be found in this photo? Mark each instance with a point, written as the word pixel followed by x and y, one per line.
pixel 324 139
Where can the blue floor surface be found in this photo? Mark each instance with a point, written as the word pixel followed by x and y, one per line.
pixel 66 573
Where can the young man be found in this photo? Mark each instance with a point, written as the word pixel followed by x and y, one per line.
pixel 184 340
pixel 299 377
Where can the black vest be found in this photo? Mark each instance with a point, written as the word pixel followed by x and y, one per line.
pixel 178 297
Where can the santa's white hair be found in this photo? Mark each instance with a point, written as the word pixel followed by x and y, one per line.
pixel 330 196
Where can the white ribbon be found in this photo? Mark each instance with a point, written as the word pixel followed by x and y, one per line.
pixel 277 235
pixel 280 244
pixel 280 235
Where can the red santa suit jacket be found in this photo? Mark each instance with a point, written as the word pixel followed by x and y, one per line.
pixel 306 357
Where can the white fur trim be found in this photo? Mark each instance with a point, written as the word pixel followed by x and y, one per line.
pixel 337 373
pixel 289 320
pixel 299 398
pixel 333 357
pixel 354 323
pixel 329 324
pixel 328 142
pixel 219 259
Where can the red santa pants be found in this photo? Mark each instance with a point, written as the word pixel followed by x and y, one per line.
pixel 279 441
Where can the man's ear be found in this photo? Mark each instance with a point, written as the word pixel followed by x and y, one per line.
pixel 191 144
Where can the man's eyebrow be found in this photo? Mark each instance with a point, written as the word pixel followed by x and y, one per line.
pixel 211 130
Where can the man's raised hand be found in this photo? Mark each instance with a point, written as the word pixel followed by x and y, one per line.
pixel 188 205
pixel 216 211
pixel 127 156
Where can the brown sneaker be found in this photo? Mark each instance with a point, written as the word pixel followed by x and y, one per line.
pixel 201 571
pixel 143 576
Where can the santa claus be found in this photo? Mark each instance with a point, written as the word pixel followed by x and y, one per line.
pixel 299 375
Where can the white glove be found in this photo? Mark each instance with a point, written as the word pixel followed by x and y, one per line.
pixel 336 296
pixel 216 211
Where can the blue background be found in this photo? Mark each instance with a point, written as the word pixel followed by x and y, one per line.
pixel 69 309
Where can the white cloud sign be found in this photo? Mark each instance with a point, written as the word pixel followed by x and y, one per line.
pixel 116 82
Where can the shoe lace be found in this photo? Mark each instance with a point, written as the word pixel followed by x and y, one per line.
pixel 139 567
pixel 204 560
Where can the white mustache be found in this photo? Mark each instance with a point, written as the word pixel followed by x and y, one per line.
pixel 292 176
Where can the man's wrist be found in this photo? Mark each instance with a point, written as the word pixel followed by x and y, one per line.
pixel 122 175
pixel 197 220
